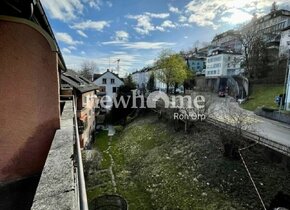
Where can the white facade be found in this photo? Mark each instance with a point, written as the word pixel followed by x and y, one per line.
pixel 287 97
pixel 141 79
pixel 273 22
pixel 285 43
pixel 223 64
pixel 110 83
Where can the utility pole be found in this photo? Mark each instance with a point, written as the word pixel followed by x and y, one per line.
pixel 285 83
pixel 118 65
pixel 109 63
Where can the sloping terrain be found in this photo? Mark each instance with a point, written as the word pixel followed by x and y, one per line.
pixel 155 167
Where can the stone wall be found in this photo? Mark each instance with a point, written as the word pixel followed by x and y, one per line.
pixel 57 188
pixel 273 115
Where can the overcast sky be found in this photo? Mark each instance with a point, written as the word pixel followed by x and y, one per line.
pixel 135 31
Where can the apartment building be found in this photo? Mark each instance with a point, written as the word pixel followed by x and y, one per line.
pixel 142 76
pixel 223 63
pixel 84 92
pixel 229 40
pixel 270 24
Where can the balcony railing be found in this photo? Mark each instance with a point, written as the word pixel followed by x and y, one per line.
pixel 62 183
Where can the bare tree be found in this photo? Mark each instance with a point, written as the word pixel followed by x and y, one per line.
pixel 254 53
pixel 236 121
pixel 88 68
pixel 195 108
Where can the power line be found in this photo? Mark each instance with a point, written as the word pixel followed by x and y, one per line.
pixel 257 191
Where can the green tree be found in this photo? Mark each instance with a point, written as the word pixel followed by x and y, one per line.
pixel 172 69
pixel 151 83
pixel 129 82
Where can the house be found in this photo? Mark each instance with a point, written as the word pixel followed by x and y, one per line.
pixel 108 83
pixel 223 63
pixel 30 63
pixel 196 64
pixel 84 92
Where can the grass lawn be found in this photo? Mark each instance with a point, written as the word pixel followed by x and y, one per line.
pixel 101 143
pixel 263 95
pixel 157 168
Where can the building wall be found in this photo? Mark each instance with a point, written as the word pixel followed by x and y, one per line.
pixel 29 92
pixel 223 65
pixel 109 86
pixel 273 22
pixel 228 40
pixel 196 65
pixel 142 78
pixel 87 113
pixel 284 43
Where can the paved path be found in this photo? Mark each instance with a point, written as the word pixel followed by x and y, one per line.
pixel 111 130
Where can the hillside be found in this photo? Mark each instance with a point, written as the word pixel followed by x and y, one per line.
pixel 157 168
pixel 263 95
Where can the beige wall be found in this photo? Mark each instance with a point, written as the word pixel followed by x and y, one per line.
pixel 29 104
pixel 89 110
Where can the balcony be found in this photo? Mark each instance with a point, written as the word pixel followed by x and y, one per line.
pixel 61 184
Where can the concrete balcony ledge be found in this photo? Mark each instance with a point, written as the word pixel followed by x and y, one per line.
pixel 57 188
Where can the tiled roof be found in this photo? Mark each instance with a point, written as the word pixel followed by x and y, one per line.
pixel 96 76
pixel 77 81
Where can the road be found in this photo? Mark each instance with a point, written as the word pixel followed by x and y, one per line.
pixel 273 130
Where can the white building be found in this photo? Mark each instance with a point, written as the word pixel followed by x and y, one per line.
pixel 223 63
pixel 272 23
pixel 141 78
pixel 108 83
pixel 284 47
pixel 287 97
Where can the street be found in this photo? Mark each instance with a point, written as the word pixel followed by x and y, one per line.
pixel 273 130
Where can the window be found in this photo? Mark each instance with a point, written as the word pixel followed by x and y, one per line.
pixel 114 89
pixel 112 81
pixel 85 99
pixel 104 81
